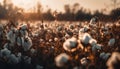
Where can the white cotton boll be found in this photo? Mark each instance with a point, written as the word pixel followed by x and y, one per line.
pixel 86 37
pixel 5 52
pixel 106 28
pixel 67 35
pixel 81 34
pixel 70 44
pixel 19 55
pixel 24 26
pixel 111 42
pixel 41 40
pixel 11 36
pixel 71 26
pixel 35 34
pixel 96 47
pixel 81 30
pixel 39 67
pixel 86 28
pixel 102 54
pixel 92 21
pixel 49 31
pixel 76 30
pixel 27 60
pixel 27 44
pixel 13 59
pixel 8 45
pixel 105 56
pixel 84 61
pixel 33 51
pixel 55 39
pixel 24 33
pixel 106 32
pixel 61 59
pixel 114 61
pixel 92 42
pixel 59 28
pixel 50 40
pixel 20 41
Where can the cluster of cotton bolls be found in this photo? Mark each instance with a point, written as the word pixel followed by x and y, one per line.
pixel 64 45
pixel 9 57
pixel 16 44
pixel 86 42
pixel 62 59
pixel 70 44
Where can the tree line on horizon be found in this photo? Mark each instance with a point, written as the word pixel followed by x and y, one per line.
pixel 74 13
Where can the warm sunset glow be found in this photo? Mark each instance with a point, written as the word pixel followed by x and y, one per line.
pixel 26 4
pixel 59 4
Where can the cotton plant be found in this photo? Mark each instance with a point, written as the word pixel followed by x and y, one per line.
pixel 105 30
pixel 27 43
pixel 13 59
pixel 85 38
pixel 59 28
pixel 23 30
pixel 50 40
pixel 62 59
pixel 70 44
pixel 93 22
pixel 76 31
pixel 8 45
pixel 36 33
pixel 27 59
pixel 19 56
pixel 84 61
pixel 71 26
pixel 67 35
pixel 33 51
pixel 92 42
pixel 96 47
pixel 105 56
pixel 11 35
pixel 56 39
pixel 20 41
pixel 86 28
pixel 81 34
pixel 5 53
pixel 69 32
pixel 111 42
pixel 41 40
pixel 82 30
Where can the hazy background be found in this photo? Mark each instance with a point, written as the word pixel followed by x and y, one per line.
pixel 92 5
pixel 60 9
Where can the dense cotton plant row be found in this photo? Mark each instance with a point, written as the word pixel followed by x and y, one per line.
pixel 60 45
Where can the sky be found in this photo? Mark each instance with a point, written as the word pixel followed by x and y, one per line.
pixel 59 4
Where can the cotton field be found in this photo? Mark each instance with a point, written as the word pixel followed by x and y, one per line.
pixel 60 45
